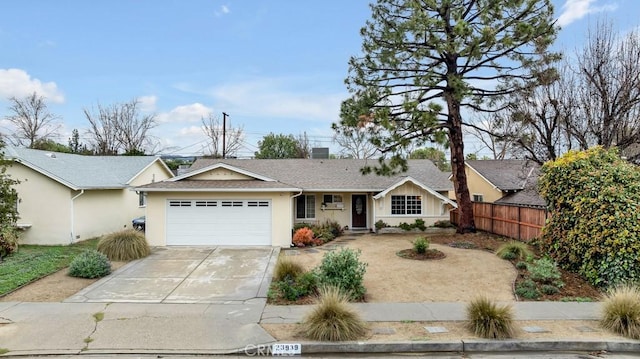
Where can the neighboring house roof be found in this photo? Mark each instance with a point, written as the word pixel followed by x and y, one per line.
pixel 517 177
pixel 83 172
pixel 320 174
pixel 506 175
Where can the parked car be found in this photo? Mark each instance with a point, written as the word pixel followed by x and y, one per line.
pixel 138 223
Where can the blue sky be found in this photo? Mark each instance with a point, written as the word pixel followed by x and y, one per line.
pixel 274 66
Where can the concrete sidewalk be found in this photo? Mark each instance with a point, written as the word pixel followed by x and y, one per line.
pixel 429 311
pixel 233 327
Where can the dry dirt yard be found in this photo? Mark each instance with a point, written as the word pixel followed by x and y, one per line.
pixel 462 274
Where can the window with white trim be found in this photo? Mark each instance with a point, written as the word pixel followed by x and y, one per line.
pixel 306 207
pixel 478 198
pixel 142 199
pixel 331 198
pixel 403 205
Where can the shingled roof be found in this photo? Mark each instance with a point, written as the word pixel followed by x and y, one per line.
pixel 82 172
pixel 506 175
pixel 326 174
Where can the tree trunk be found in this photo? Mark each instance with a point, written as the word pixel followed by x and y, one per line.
pixel 466 223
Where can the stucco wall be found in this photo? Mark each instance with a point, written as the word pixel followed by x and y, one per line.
pixel 157 206
pixel 478 185
pixel 340 215
pixel 103 211
pixel 432 208
pixel 43 204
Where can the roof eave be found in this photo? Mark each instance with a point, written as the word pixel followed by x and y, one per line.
pixel 229 190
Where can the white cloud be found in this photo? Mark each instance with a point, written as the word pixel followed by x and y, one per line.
pixel 186 113
pixel 573 10
pixel 18 83
pixel 269 98
pixel 224 10
pixel 148 103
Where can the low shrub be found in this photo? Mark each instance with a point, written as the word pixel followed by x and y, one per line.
pixel 297 226
pixel 549 289
pixel 443 224
pixel 332 319
pixel 528 290
pixel 8 240
pixel 381 224
pixel 286 269
pixel 488 320
pixel 125 245
pixel 514 250
pixel 545 270
pixel 90 264
pixel 343 269
pixel 420 245
pixel 419 223
pixel 521 265
pixel 293 289
pixel 405 226
pixel 334 227
pixel 303 237
pixel 324 234
pixel 621 311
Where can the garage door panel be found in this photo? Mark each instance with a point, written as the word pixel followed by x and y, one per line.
pixel 218 222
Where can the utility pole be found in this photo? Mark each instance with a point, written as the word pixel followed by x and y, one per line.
pixel 224 134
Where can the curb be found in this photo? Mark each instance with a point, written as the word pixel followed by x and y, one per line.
pixel 461 346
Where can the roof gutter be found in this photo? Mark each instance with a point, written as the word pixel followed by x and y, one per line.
pixel 73 215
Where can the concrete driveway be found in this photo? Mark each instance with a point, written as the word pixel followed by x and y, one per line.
pixel 188 275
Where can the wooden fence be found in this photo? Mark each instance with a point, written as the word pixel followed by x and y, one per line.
pixel 522 223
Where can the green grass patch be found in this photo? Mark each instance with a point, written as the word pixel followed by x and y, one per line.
pixel 4 351
pixel 34 262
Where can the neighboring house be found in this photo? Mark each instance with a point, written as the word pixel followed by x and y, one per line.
pixel 65 198
pixel 257 202
pixel 511 182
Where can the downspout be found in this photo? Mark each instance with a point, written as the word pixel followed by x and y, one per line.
pixel 73 214
pixel 374 204
pixel 293 215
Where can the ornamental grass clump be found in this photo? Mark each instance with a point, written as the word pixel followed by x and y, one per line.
pixel 90 264
pixel 514 250
pixel 488 320
pixel 621 311
pixel 125 245
pixel 287 269
pixel 332 319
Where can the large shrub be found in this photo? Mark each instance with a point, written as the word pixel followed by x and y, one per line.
pixel 125 245
pixel 343 269
pixel 594 225
pixel 90 264
pixel 8 240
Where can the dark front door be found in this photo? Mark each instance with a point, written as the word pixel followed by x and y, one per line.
pixel 359 211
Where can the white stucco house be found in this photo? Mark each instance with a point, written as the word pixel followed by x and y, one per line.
pixel 65 198
pixel 257 202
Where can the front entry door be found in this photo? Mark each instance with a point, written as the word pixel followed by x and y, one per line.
pixel 359 211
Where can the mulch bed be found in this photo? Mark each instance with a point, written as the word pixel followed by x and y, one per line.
pixel 430 254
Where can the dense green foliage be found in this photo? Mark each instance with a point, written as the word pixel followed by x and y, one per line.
pixel 90 264
pixel 125 245
pixel 34 262
pixel 8 240
pixel 332 319
pixel 277 146
pixel 594 225
pixel 343 270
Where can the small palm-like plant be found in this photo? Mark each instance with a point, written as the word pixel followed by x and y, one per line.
pixel 486 319
pixel 514 250
pixel 124 245
pixel 332 319
pixel 621 311
pixel 287 269
pixel 420 245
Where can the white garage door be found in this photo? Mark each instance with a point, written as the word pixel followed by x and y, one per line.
pixel 218 222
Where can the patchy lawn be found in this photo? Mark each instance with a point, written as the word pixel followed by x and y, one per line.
pixel 32 262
